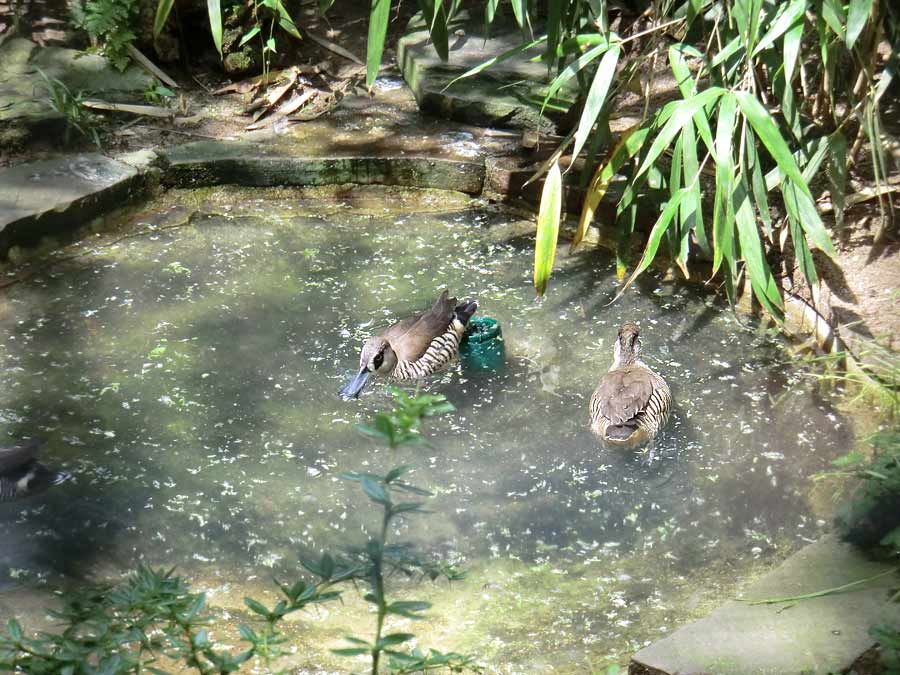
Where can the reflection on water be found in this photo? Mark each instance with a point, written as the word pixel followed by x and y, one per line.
pixel 189 379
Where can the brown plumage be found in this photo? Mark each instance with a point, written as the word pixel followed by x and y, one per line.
pixel 631 403
pixel 415 347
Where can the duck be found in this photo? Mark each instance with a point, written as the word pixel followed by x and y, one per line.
pixel 416 347
pixel 632 402
pixel 21 475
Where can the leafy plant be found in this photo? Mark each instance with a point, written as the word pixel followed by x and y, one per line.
pixel 150 618
pixel 156 93
pixel 69 105
pixel 108 22
pixel 153 619
pixel 267 14
pixel 773 97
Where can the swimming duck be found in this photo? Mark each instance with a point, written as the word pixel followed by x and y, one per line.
pixel 21 475
pixel 631 403
pixel 416 347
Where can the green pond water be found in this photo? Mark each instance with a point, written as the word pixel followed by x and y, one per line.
pixel 188 377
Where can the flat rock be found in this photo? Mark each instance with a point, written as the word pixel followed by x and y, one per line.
pixel 24 99
pixel 507 95
pixel 38 198
pixel 819 635
pixel 253 163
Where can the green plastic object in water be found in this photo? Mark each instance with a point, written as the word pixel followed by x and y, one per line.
pixel 483 347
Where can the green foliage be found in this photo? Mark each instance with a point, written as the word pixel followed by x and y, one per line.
pixel 748 110
pixel 109 23
pixel 888 638
pixel 127 628
pixel 152 618
pixel 157 93
pixel 63 101
pixel 871 515
pixel 402 426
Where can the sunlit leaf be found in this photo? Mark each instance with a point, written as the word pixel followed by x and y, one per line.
pixel 596 97
pixel 788 15
pixel 494 60
pixel 163 9
pixel 656 235
pixel 571 70
pixel 215 23
pixel 249 35
pixel 378 25
pixel 628 146
pixel 761 279
pixel 548 220
pixel 683 111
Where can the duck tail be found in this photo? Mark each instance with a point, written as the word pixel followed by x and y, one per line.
pixel 465 310
pixel 620 432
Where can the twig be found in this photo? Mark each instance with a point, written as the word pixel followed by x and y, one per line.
pixel 335 48
pixel 819 594
pixel 151 67
pixel 188 133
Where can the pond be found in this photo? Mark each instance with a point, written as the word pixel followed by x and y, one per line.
pixel 186 369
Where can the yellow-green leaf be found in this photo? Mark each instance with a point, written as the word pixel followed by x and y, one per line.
pixel 549 216
pixel 215 23
pixel 628 146
pixel 163 9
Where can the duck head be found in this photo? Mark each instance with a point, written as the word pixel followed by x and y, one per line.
pixel 628 345
pixel 33 479
pixel 377 358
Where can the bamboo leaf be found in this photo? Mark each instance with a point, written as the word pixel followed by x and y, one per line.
pixel 249 35
pixel 758 185
pixel 490 11
pixel 792 40
pixel 163 9
pixel 628 146
pixel 761 279
pixel 596 97
pixel 682 112
pixel 554 24
pixel 656 235
pixel 520 12
pixel 688 88
pixel 723 231
pixel 547 229
pixel 508 54
pixel 436 16
pixel 837 174
pixel 860 11
pixel 378 26
pixel 571 70
pixel 832 12
pixel 215 23
pixel 285 20
pixel 788 15
pixel 767 131
pixel 691 213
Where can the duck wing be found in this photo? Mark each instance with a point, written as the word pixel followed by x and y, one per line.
pixel 411 337
pixel 623 393
pixel 15 456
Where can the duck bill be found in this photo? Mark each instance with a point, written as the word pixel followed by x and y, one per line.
pixel 353 388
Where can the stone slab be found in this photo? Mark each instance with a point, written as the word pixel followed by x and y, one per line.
pixel 41 198
pixel 502 96
pixel 212 163
pixel 819 635
pixel 23 92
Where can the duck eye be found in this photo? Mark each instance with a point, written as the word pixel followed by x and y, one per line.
pixel 378 360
